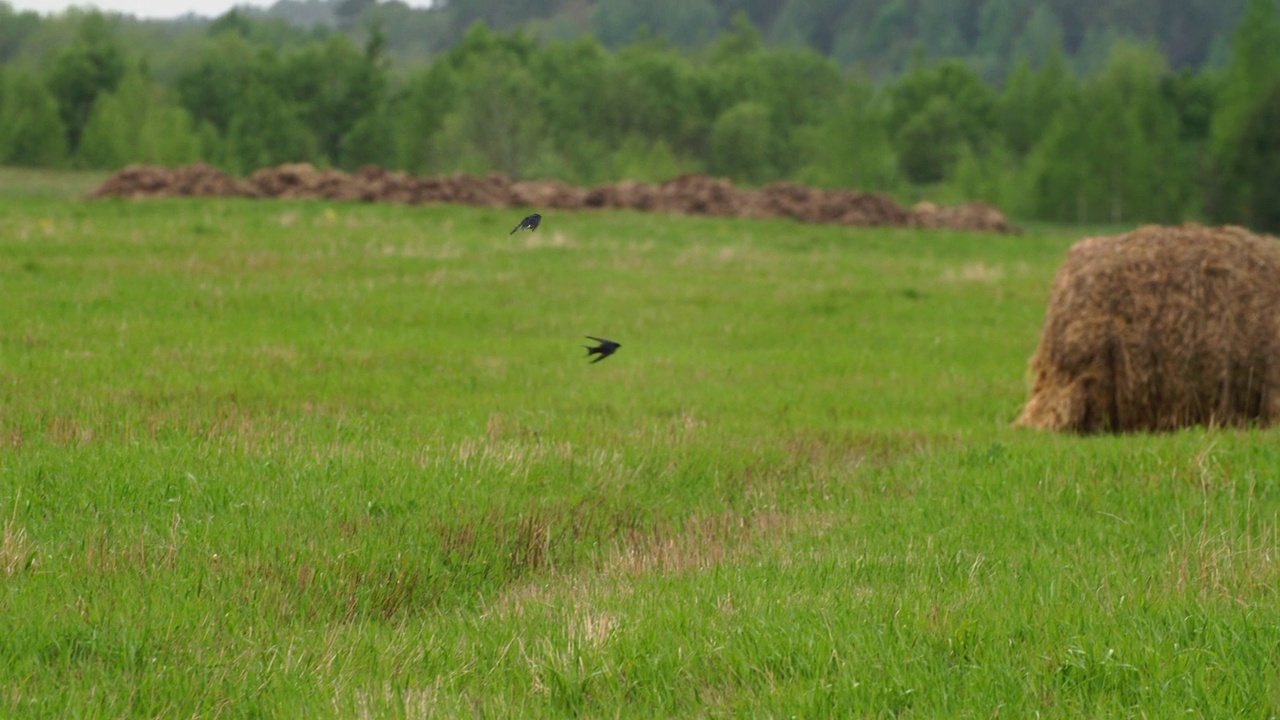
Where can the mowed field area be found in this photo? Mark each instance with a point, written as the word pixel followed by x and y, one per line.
pixel 308 459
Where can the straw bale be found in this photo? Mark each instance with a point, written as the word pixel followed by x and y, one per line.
pixel 1158 329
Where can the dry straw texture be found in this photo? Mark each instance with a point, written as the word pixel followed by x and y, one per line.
pixel 1158 329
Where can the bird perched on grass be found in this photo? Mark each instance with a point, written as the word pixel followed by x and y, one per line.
pixel 604 349
pixel 530 222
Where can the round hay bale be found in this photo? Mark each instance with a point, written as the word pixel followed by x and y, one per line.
pixel 1158 329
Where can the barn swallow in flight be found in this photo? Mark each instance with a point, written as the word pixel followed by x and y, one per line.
pixel 530 222
pixel 604 349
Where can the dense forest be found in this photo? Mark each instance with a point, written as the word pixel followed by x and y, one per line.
pixel 878 38
pixel 1089 111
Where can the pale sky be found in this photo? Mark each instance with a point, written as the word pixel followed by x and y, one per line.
pixel 154 8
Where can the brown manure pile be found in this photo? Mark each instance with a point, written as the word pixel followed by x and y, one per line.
pixel 1160 328
pixel 150 181
pixel 684 195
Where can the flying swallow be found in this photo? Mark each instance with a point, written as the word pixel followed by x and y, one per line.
pixel 604 349
pixel 530 222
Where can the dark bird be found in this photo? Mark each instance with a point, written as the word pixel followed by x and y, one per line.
pixel 604 349
pixel 530 222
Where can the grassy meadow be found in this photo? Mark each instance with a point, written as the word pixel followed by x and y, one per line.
pixel 306 459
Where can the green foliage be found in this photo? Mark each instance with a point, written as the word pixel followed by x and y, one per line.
pixel 371 141
pixel 930 141
pixel 873 36
pixel 15 27
pixel 1114 155
pixel 682 22
pixel 638 159
pixel 332 86
pixel 137 123
pixel 570 81
pixel 31 131
pixel 1160 143
pixel 850 147
pixel 657 94
pixel 92 65
pixel 935 113
pixel 265 130
pixel 797 88
pixel 498 115
pixel 1257 169
pixel 812 24
pixel 233 22
pixel 1252 70
pixel 1030 100
pixel 212 88
pixel 990 177
pixel 742 143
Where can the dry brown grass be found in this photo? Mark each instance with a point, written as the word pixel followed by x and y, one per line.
pixel 17 552
pixel 107 552
pixel 1161 328
pixel 700 543
pixel 1236 567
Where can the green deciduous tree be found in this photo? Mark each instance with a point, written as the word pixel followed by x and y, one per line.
pixel 1253 68
pixel 1030 99
pixel 571 78
pixel 1257 164
pixel 371 141
pixel 480 107
pixel 797 87
pixel 850 147
pixel 138 123
pixel 656 93
pixel 31 131
pixel 213 87
pixel 1114 154
pixel 264 131
pixel 93 64
pixel 742 143
pixel 420 113
pixel 332 86
pixel 682 22
pixel 14 28
pixel 639 159
pixel 935 112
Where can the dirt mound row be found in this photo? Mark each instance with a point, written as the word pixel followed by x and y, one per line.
pixel 687 194
pixel 149 181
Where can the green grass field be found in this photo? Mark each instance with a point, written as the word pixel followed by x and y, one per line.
pixel 273 459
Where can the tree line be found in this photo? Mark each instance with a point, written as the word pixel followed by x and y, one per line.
pixel 876 37
pixel 1132 141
